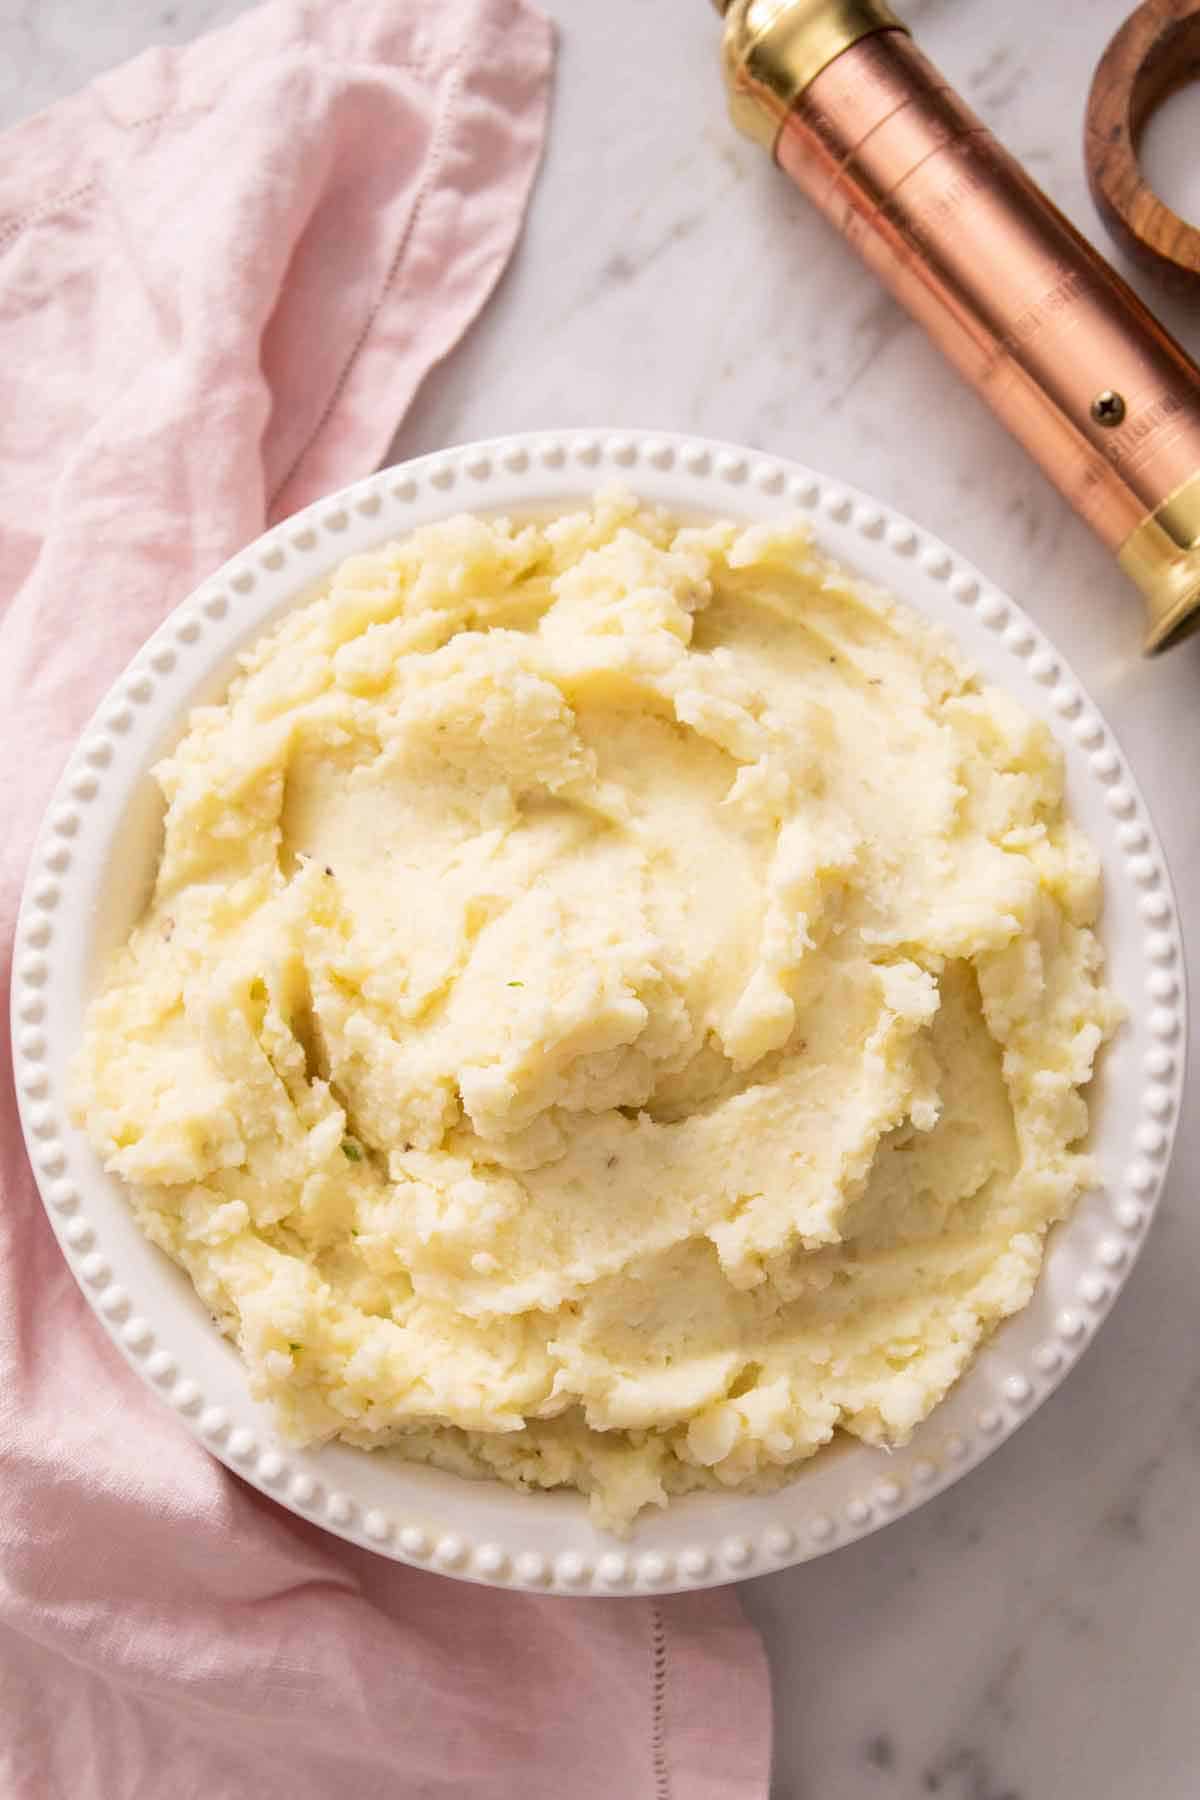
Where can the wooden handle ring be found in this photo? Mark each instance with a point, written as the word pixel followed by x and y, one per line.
pixel 1156 52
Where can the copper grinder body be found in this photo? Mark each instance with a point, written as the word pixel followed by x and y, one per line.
pixel 1049 335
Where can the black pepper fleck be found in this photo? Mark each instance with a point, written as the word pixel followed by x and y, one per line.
pixel 881 1751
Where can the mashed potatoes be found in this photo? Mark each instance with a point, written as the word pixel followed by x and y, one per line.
pixel 612 1009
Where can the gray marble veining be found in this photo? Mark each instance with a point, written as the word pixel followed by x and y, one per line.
pixel 1031 1634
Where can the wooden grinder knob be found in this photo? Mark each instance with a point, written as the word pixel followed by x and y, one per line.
pixel 1155 52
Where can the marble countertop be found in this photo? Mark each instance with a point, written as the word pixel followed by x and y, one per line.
pixel 1029 1635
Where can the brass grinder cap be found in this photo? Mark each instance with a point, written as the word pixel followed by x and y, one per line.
pixel 1162 556
pixel 772 49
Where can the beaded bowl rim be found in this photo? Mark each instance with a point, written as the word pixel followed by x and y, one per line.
pixel 481 1530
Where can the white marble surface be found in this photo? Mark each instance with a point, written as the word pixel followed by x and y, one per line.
pixel 1030 1635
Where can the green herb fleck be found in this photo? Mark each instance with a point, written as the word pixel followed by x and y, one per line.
pixel 516 984
pixel 294 1347
pixel 351 1150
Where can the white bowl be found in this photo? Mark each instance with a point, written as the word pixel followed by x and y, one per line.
pixel 91 873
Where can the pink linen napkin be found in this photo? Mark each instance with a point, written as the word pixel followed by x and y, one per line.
pixel 223 272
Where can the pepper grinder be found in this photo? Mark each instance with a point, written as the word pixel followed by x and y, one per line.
pixel 1057 344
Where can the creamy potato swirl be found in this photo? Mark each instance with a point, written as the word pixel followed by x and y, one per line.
pixel 613 1008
